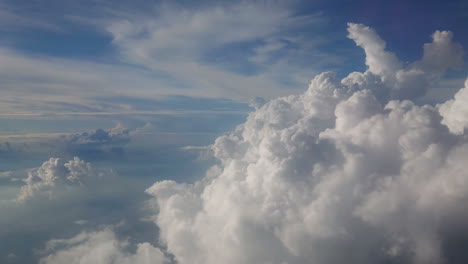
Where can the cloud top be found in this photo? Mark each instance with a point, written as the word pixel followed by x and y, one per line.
pixel 386 73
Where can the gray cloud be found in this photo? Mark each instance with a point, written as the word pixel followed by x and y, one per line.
pixel 100 247
pixel 57 176
pixel 59 199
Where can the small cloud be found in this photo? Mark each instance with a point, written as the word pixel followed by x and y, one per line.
pixel 81 222
pixel 257 102
pixel 56 176
pixel 204 152
pixel 6 174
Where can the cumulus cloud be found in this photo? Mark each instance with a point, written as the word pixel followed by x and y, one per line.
pixel 192 47
pixel 455 111
pixel 338 174
pixel 117 134
pixel 99 247
pixel 57 175
pixel 386 74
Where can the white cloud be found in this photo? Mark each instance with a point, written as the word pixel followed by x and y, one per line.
pixel 99 247
pixel 190 46
pixel 386 74
pixel 455 111
pixel 338 174
pixel 165 50
pixel 56 177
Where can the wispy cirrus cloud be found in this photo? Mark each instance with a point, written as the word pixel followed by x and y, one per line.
pixel 216 51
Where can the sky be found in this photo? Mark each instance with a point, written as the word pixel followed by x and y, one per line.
pixel 233 131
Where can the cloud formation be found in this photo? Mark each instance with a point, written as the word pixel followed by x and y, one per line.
pixel 100 247
pixel 159 49
pixel 57 176
pixel 386 74
pixel 339 174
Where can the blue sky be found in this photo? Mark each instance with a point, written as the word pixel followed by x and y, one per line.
pixel 143 89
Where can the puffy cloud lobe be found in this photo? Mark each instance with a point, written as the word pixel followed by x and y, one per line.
pixel 379 61
pixel 335 175
pixel 99 247
pixel 118 134
pixel 455 111
pixel 55 175
pixel 442 53
pixel 386 75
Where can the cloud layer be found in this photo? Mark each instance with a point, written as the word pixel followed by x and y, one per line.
pixel 342 173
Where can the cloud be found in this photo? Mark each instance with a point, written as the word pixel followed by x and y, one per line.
pixel 100 136
pixel 196 48
pixel 455 111
pixel 257 102
pixel 386 73
pixel 158 50
pixel 99 247
pixel 62 197
pixel 339 174
pixel 57 176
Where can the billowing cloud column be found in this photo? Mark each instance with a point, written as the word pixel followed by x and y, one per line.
pixel 100 247
pixel 339 174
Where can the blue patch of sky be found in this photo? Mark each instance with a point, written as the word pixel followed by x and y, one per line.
pixel 78 43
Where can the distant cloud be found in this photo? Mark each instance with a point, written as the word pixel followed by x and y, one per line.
pixel 100 247
pixel 56 177
pixel 118 134
pixel 81 222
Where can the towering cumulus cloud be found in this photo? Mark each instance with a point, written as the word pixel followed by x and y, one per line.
pixel 100 247
pixel 348 172
pixel 57 176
